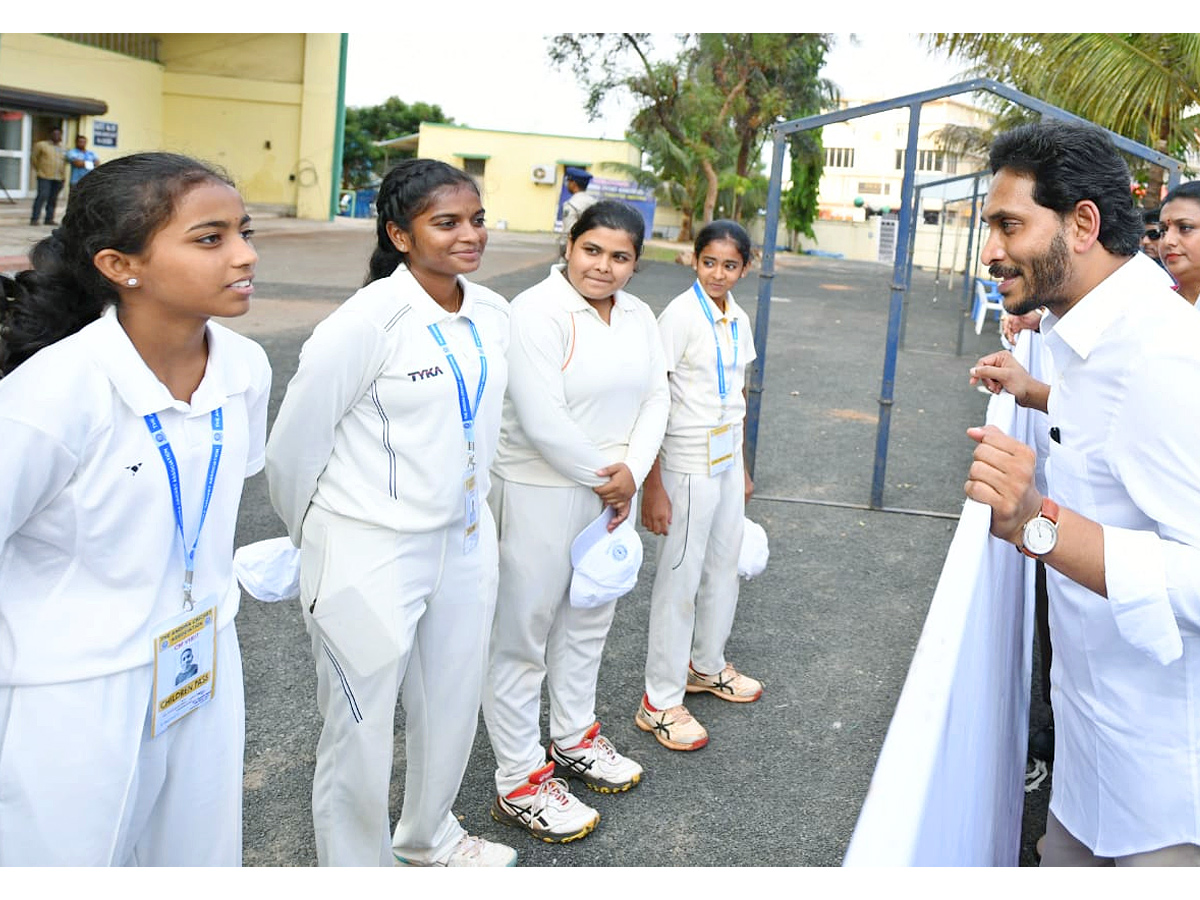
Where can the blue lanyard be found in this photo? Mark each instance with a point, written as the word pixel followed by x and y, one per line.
pixel 464 402
pixel 168 456
pixel 722 387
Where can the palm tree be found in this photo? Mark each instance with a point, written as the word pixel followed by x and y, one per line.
pixel 1143 86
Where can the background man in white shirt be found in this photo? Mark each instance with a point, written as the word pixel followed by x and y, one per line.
pixel 577 201
pixel 1119 529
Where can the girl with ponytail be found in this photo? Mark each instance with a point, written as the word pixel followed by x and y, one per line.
pixel 378 465
pixel 129 423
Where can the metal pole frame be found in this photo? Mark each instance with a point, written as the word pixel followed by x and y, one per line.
pixel 968 270
pixel 762 314
pixel 339 132
pixel 774 196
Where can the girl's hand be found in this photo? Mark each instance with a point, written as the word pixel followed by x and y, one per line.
pixel 620 487
pixel 621 513
pixel 656 507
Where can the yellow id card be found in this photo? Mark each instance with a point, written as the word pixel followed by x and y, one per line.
pixel 185 662
pixel 720 449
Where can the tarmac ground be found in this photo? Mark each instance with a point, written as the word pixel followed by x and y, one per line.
pixel 829 627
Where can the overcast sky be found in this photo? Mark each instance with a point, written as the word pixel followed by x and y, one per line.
pixel 508 83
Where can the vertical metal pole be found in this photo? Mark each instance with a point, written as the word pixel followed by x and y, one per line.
pixel 339 130
pixel 968 275
pixel 887 388
pixel 762 315
pixel 1173 176
pixel 908 266
pixel 912 239
pixel 937 273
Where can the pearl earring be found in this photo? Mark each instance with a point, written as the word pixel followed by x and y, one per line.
pixel 132 282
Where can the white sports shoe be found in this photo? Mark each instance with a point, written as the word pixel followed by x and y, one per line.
pixel 728 684
pixel 596 762
pixel 546 809
pixel 472 851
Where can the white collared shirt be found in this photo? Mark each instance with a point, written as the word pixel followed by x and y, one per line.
pixel 370 427
pixel 90 556
pixel 1126 669
pixel 582 395
pixel 691 355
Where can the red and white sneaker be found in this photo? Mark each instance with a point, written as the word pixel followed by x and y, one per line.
pixel 596 762
pixel 546 809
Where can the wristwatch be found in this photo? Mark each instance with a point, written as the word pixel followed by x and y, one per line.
pixel 1041 532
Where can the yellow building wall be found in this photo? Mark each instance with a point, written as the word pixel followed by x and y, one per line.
pixel 249 128
pixel 132 88
pixel 262 106
pixel 510 194
pixel 274 135
pixel 253 57
pixel 315 178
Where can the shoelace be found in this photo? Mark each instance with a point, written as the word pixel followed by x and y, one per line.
pixel 470 847
pixel 678 713
pixel 552 791
pixel 605 748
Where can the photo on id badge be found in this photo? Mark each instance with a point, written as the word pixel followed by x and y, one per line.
pixel 184 658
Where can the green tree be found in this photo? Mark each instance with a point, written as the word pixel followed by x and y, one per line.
pixel 1143 86
pixel 799 203
pixel 367 124
pixel 671 171
pixel 713 100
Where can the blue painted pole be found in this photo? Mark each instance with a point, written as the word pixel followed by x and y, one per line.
pixel 762 315
pixel 968 270
pixel 896 308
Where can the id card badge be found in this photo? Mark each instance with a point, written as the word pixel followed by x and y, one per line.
pixel 185 659
pixel 471 511
pixel 720 449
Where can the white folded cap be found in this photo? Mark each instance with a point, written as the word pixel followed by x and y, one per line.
pixel 753 558
pixel 606 564
pixel 269 570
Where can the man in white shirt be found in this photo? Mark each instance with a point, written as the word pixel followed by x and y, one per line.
pixel 1119 527
pixel 578 199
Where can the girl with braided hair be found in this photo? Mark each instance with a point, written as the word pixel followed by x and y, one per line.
pixel 378 465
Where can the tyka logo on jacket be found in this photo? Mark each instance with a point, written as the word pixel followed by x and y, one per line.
pixel 422 374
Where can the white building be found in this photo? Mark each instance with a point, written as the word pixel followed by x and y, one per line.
pixel 864 158
pixel 864 171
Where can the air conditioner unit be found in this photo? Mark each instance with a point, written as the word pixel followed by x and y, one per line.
pixel 543 175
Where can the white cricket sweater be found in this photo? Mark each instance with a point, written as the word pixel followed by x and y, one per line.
pixel 582 395
pixel 370 427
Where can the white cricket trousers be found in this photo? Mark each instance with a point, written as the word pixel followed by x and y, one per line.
pixel 538 635
pixel 695 591
pixel 393 612
pixel 82 783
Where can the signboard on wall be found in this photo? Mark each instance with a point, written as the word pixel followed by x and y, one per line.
pixel 640 198
pixel 888 226
pixel 104 134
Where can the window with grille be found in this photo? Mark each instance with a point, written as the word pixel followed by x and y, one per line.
pixel 839 157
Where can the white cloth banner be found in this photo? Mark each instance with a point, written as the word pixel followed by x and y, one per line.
pixel 948 789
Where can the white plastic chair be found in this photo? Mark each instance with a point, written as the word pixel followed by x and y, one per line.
pixel 987 298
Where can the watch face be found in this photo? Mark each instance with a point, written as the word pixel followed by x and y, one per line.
pixel 1040 536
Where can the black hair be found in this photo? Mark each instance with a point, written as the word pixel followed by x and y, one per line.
pixel 724 230
pixel 1189 190
pixel 119 206
pixel 1150 216
pixel 406 192
pixel 1070 163
pixel 615 215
